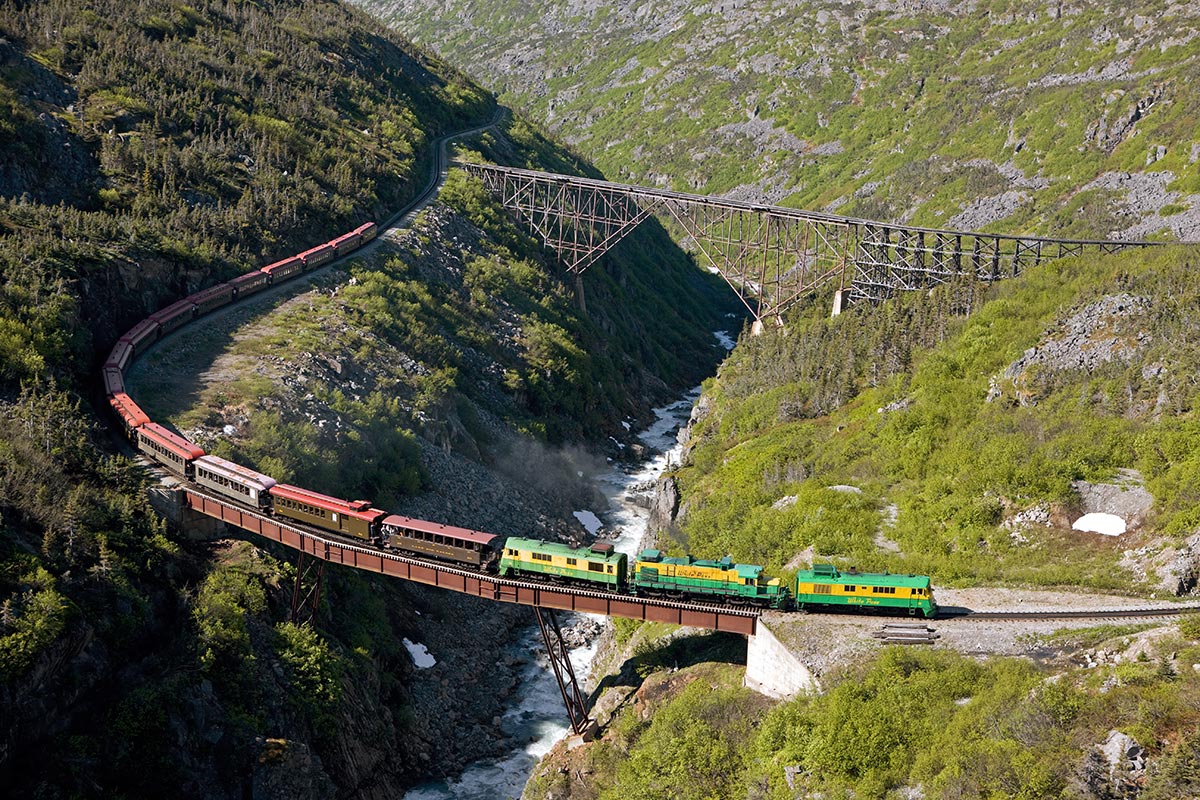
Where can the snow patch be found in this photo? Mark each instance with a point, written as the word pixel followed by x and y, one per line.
pixel 420 654
pixel 1096 522
pixel 588 520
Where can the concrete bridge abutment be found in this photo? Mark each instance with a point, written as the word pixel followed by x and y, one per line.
pixel 168 499
pixel 773 670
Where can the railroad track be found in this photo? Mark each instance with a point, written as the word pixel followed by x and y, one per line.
pixel 321 537
pixel 895 629
pixel 957 613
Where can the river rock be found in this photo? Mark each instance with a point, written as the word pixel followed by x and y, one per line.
pixel 582 633
pixel 289 769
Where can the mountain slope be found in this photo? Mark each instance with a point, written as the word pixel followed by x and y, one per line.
pixel 1071 119
pixel 149 150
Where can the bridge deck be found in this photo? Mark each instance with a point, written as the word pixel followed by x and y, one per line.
pixel 490 587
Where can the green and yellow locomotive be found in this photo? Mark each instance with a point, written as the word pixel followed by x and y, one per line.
pixel 738 584
pixel 825 585
pixel 598 564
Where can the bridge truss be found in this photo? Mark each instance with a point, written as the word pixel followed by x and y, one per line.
pixel 771 256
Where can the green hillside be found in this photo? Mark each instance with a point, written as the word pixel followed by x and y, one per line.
pixel 957 433
pixel 1073 119
pixel 1067 120
pixel 915 404
pixel 148 150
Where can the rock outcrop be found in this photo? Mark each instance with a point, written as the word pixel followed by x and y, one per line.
pixel 1110 329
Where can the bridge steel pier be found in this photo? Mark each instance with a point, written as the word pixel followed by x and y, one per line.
pixel 306 593
pixel 771 256
pixel 564 673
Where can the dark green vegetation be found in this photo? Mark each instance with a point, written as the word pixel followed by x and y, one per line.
pixel 147 150
pixel 1068 119
pixel 903 718
pixel 463 323
pixel 201 140
pixel 963 729
pixel 150 149
pixel 916 112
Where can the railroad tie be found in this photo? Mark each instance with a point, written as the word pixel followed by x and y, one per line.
pixel 906 633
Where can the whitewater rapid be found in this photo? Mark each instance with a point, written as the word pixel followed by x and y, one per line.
pixel 538 717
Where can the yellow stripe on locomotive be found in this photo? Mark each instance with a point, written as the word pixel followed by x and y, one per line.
pixel 825 585
pixel 596 564
pixel 657 574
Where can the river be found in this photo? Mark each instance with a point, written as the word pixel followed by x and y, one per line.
pixel 538 717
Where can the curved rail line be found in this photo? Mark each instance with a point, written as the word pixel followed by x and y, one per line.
pixel 328 547
pixel 314 542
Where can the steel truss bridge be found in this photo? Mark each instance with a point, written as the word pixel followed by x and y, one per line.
pixel 771 256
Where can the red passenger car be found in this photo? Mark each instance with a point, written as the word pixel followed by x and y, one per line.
pixel 131 415
pixel 249 283
pixel 121 353
pixel 352 517
pixel 212 297
pixel 174 315
pixel 168 448
pixel 346 243
pixel 321 254
pixel 142 335
pixel 282 270
pixel 440 541
pixel 366 232
pixel 114 381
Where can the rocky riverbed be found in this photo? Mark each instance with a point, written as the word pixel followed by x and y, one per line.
pixel 535 720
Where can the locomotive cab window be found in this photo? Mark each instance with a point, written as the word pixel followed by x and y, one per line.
pixel 571 562
pixel 594 567
pixel 849 589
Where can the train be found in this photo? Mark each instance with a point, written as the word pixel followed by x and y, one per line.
pixel 597 566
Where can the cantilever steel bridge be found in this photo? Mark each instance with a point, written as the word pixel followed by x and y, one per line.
pixel 770 255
